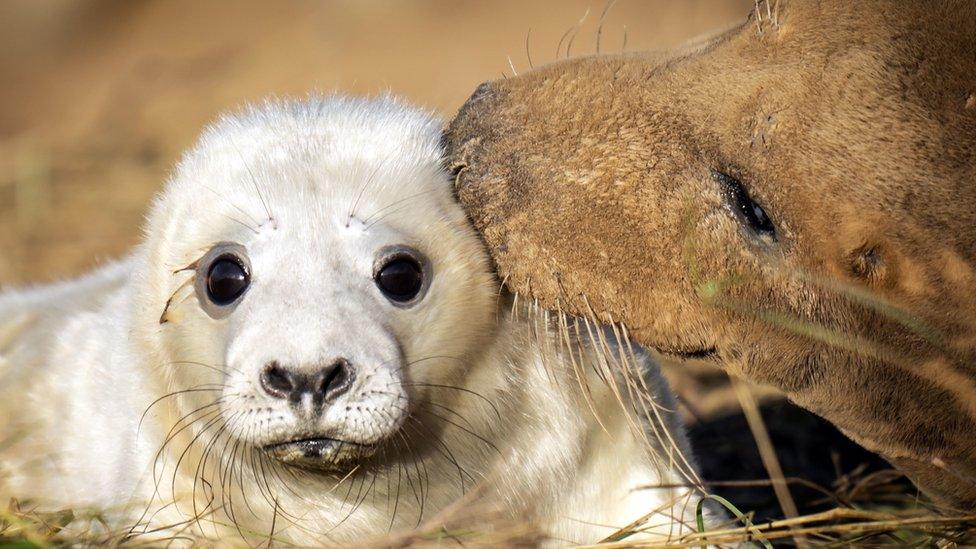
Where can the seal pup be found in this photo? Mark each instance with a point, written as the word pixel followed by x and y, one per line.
pixel 310 346
pixel 790 200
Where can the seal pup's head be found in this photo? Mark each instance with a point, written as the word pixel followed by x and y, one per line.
pixel 315 268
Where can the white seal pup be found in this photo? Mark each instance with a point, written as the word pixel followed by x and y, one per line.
pixel 310 344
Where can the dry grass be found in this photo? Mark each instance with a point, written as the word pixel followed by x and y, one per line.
pixel 913 525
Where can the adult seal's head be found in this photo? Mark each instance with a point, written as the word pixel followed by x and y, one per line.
pixel 794 200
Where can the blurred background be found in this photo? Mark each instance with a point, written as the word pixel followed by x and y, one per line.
pixel 99 97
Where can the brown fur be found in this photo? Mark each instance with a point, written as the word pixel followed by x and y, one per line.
pixel 853 124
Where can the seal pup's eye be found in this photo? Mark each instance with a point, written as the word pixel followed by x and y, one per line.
pixel 401 275
pixel 746 210
pixel 223 276
pixel 226 280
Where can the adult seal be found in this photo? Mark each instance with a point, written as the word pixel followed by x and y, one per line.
pixel 310 346
pixel 794 200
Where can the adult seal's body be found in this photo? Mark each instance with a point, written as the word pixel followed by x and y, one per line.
pixel 310 345
pixel 794 200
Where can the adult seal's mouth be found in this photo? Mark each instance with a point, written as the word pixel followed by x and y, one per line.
pixel 708 353
pixel 319 453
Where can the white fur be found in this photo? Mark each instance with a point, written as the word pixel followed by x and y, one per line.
pixel 83 361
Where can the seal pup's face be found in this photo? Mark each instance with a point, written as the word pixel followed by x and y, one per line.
pixel 323 275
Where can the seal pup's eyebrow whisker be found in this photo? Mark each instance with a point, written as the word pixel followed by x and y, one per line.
pixel 367 183
pixel 378 211
pixel 231 203
pixel 242 224
pixel 254 182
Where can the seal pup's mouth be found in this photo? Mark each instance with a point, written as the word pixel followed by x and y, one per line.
pixel 321 454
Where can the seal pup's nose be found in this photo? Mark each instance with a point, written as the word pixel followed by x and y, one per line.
pixel 321 386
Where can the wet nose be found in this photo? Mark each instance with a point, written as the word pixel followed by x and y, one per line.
pixel 294 384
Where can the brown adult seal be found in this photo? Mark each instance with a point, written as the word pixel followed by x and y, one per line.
pixel 795 200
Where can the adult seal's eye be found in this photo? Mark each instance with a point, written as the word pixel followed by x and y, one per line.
pixel 401 275
pixel 746 210
pixel 226 280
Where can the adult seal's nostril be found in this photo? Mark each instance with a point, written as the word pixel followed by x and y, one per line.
pixel 334 380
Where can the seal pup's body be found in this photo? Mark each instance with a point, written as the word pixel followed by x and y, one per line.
pixel 310 341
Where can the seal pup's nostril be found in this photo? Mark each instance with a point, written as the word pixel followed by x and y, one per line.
pixel 277 381
pixel 323 386
pixel 334 379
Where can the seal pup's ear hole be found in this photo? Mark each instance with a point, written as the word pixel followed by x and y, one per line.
pixel 223 276
pixel 402 274
pixel 746 211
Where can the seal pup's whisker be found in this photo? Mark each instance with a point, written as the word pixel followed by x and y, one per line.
pixel 225 370
pixel 200 470
pixel 204 388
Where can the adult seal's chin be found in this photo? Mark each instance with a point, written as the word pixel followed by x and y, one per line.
pixel 320 454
